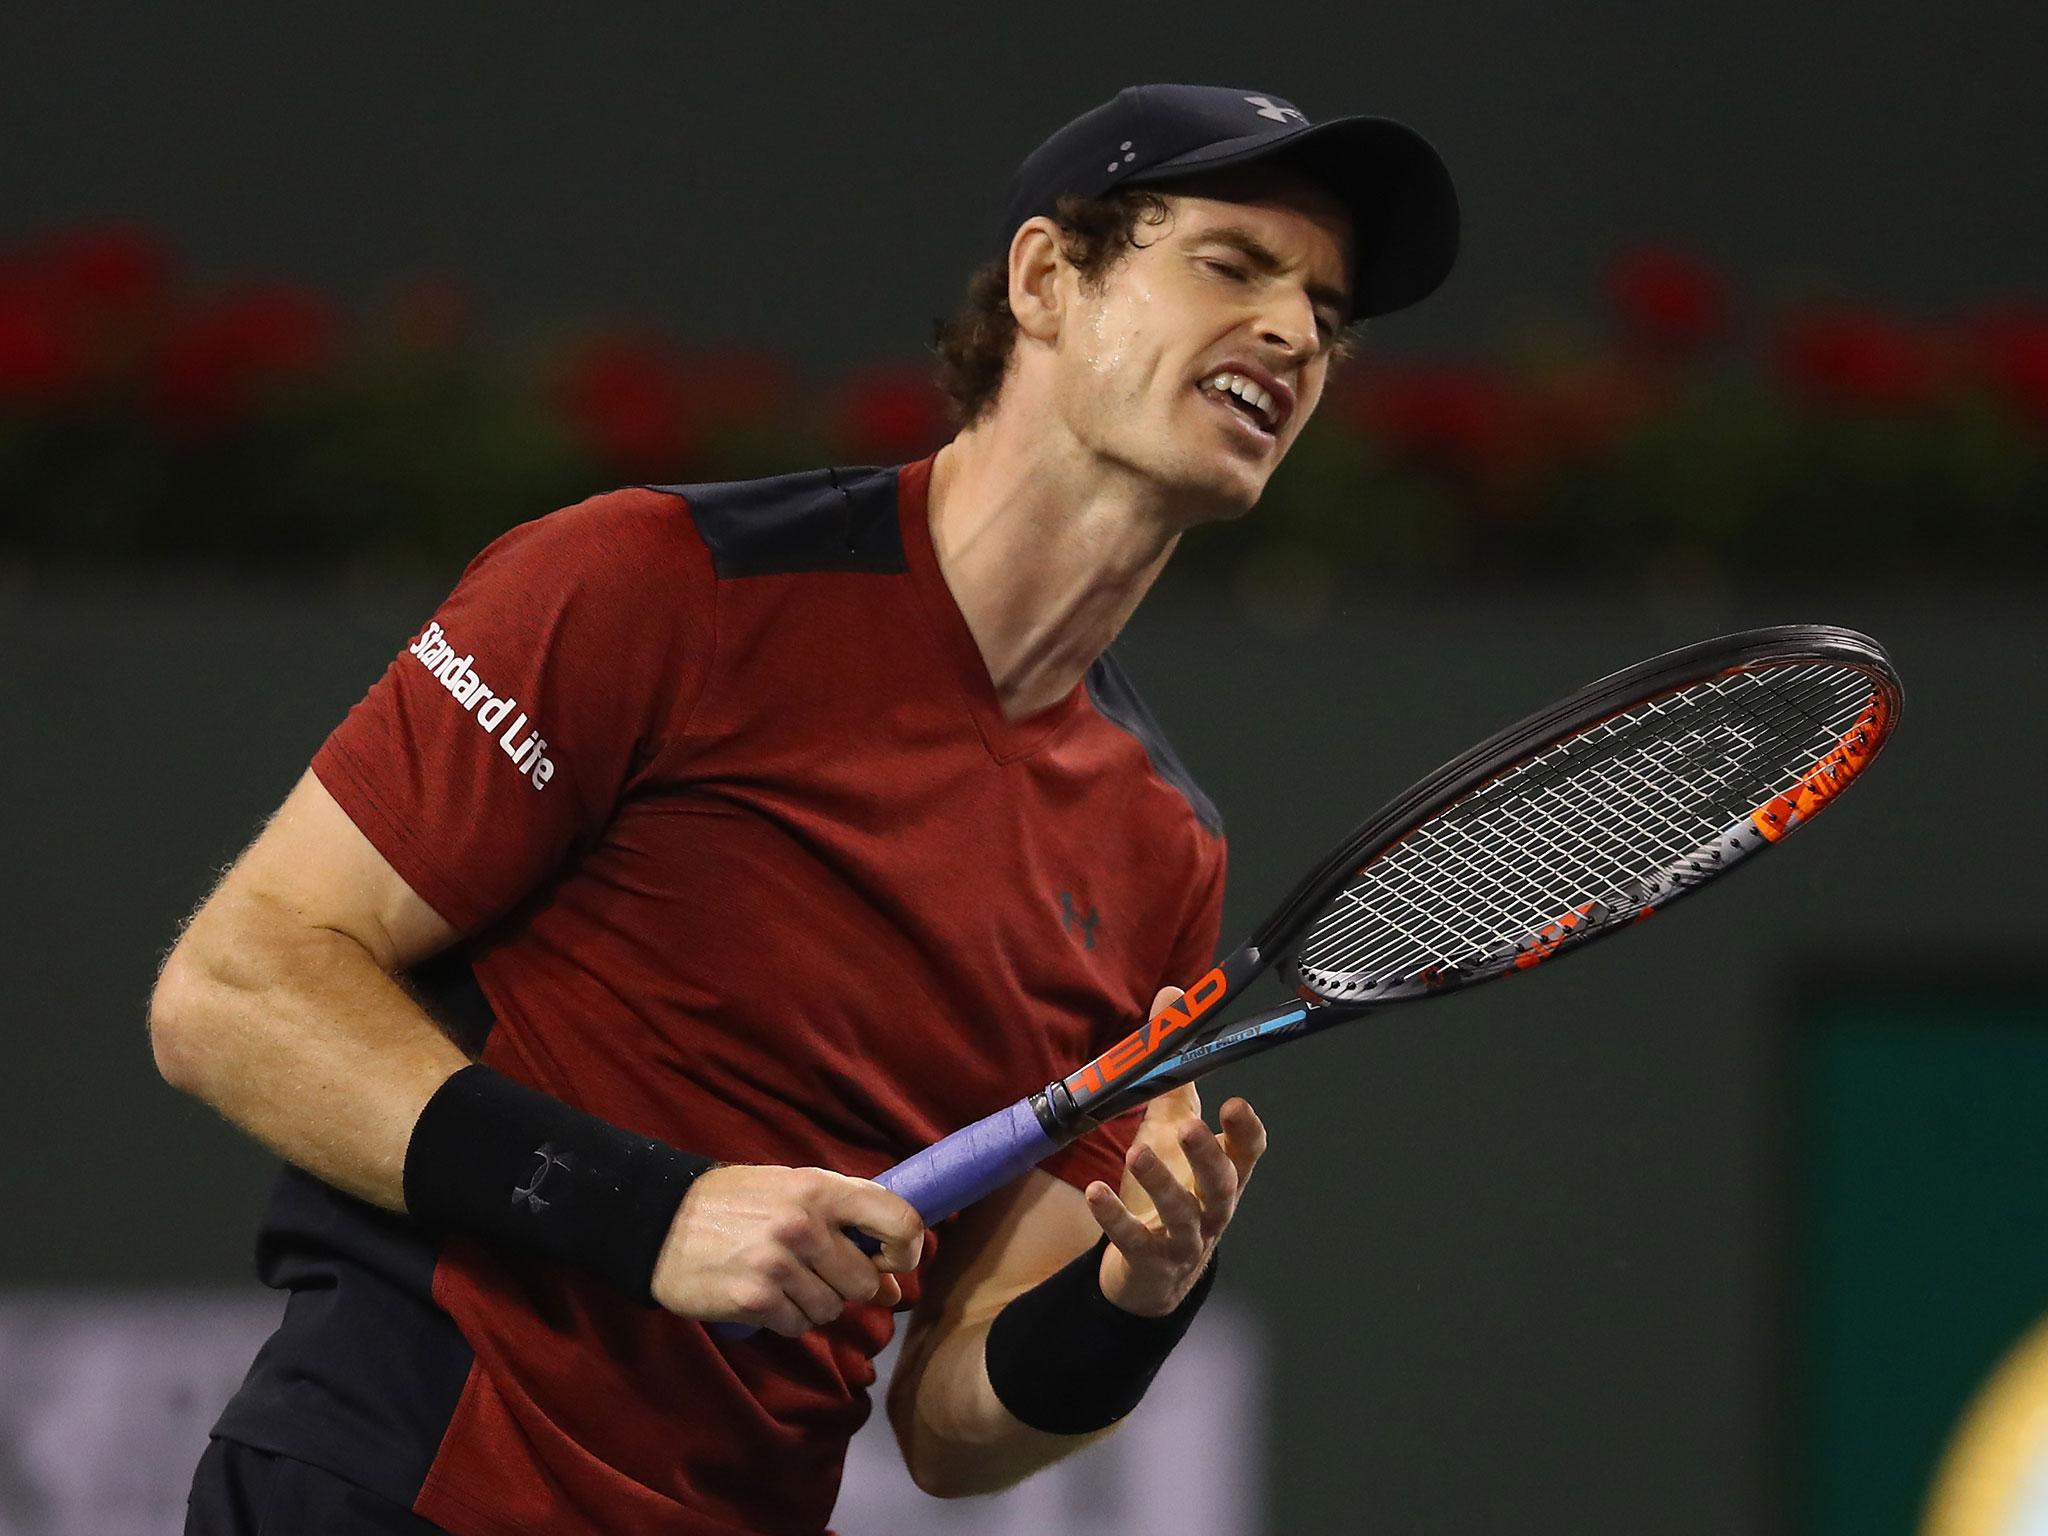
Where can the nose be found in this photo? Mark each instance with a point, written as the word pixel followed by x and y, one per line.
pixel 1289 322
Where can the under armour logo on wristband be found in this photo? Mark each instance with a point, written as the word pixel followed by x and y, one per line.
pixel 530 1193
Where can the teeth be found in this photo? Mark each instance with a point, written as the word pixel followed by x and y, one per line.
pixel 1245 390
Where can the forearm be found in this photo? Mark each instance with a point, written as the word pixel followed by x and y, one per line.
pixel 957 1437
pixel 298 1036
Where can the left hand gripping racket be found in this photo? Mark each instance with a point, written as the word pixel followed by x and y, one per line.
pixel 1582 819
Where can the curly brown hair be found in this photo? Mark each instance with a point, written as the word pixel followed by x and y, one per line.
pixel 975 345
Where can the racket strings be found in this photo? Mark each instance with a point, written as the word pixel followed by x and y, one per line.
pixel 1466 855
pixel 1580 831
pixel 1544 841
pixel 1461 862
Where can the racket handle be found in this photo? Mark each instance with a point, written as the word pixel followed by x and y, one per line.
pixel 976 1160
pixel 953 1173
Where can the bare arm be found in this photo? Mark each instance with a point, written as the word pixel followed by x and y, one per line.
pixel 279 1006
pixel 1179 1193
pixel 957 1438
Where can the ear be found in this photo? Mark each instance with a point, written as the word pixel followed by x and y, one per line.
pixel 1036 265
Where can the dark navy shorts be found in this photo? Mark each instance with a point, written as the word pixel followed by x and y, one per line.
pixel 241 1491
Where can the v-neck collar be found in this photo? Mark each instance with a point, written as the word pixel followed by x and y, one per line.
pixel 1006 739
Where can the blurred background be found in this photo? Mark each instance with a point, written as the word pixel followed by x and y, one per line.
pixel 1737 1229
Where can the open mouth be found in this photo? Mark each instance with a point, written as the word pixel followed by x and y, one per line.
pixel 1244 399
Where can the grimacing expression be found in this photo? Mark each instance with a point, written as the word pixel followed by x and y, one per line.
pixel 1199 356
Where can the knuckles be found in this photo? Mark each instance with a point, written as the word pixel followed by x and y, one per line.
pixel 757 1299
pixel 794 1228
pixel 812 1186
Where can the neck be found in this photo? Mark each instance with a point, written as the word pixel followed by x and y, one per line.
pixel 1046 555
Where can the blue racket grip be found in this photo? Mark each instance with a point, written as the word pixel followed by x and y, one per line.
pixel 974 1161
pixel 953 1173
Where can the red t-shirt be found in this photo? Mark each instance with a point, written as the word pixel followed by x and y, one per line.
pixel 747 858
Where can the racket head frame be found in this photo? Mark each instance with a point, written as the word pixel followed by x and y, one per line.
pixel 1196 1030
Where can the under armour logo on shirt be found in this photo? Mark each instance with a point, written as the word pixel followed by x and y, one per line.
pixel 1071 919
pixel 1279 114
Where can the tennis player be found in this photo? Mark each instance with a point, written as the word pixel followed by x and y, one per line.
pixel 713 847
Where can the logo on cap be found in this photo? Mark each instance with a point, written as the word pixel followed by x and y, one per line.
pixel 1277 113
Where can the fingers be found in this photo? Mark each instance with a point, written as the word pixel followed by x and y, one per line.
pixel 817 1273
pixel 843 1266
pixel 816 1301
pixel 823 1248
pixel 770 1246
pixel 1176 1205
pixel 1122 1228
pixel 1217 1180
pixel 1175 1232
pixel 888 1218
pixel 1182 1183
pixel 1244 1138
pixel 1184 1176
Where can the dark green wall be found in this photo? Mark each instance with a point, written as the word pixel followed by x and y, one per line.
pixel 1922 1173
pixel 818 178
pixel 1520 1254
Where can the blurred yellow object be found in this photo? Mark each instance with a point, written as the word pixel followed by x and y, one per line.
pixel 1993 1478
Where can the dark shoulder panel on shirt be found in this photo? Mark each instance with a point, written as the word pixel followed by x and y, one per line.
pixel 1110 690
pixel 819 520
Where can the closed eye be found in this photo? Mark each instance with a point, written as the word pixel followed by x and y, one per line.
pixel 1328 323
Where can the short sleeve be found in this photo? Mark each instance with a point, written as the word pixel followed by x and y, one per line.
pixel 1100 1154
pixel 506 733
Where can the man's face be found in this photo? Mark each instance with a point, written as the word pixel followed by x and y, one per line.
pixel 1199 357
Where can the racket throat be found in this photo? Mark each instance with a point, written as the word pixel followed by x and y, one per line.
pixel 1059 1116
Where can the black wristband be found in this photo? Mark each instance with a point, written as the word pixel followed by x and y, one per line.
pixel 495 1160
pixel 1066 1359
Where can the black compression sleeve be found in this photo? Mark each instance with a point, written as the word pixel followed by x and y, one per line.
pixel 1066 1359
pixel 498 1161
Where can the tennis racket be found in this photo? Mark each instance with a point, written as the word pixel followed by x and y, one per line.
pixel 1582 819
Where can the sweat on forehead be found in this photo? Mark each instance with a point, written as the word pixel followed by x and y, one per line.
pixel 1227 211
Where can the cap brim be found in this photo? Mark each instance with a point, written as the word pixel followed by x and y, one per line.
pixel 1404 208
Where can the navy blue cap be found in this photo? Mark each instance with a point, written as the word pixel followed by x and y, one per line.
pixel 1404 210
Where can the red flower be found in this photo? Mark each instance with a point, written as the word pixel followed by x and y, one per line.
pixel 1667 300
pixel 74 309
pixel 113 269
pixel 889 414
pixel 627 398
pixel 40 356
pixel 219 360
pixel 1446 415
pixel 1859 359
pixel 2009 347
